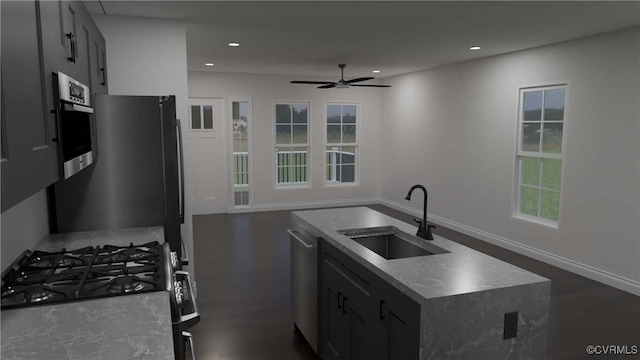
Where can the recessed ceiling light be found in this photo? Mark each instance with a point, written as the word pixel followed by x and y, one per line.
pixel 208 64
pixel 234 44
pixel 376 71
pixel 475 48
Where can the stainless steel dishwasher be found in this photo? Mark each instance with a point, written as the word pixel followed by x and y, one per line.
pixel 304 282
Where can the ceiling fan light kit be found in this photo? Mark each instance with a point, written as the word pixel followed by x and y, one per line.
pixel 340 84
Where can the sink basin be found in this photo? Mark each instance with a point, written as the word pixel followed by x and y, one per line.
pixel 392 243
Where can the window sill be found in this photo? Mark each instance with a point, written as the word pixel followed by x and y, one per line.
pixel 553 225
pixel 340 184
pixel 292 186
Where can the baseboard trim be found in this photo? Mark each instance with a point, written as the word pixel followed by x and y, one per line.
pixel 588 271
pixel 304 205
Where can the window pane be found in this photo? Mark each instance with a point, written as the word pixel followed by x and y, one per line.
pixel 349 114
pixel 529 201
pixel 244 110
pixel 283 134
pixel 348 133
pixel 333 155
pixel 300 134
pixel 348 155
pixel 550 205
pixel 236 110
pixel 333 114
pixel 530 171
pixel 532 106
pixel 551 173
pixel 552 138
pixel 300 113
pixel 531 137
pixel 283 114
pixel 208 117
pixel 195 117
pixel 333 134
pixel 554 104
pixel 348 173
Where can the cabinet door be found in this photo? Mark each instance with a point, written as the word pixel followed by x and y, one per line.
pixel 64 38
pixel 347 310
pixel 335 343
pixel 97 62
pixel 29 155
pixel 399 324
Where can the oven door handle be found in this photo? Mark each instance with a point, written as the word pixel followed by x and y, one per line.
pixel 80 108
pixel 188 320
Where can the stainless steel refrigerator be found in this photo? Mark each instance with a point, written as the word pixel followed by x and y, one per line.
pixel 138 179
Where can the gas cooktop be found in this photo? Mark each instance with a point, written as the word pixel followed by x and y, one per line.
pixel 39 277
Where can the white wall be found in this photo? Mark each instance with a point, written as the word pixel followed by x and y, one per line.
pixel 149 57
pixel 23 226
pixel 453 129
pixel 263 90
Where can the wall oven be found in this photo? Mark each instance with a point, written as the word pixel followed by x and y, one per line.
pixel 76 133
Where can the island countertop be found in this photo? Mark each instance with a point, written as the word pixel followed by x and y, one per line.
pixel 461 271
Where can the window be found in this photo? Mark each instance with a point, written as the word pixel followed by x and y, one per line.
pixel 201 118
pixel 540 153
pixel 292 143
pixel 342 146
pixel 240 122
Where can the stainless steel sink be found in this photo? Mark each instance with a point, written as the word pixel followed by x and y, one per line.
pixel 392 243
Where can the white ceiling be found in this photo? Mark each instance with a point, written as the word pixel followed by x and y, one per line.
pixel 396 37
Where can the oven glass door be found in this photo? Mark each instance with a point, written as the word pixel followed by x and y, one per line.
pixel 76 134
pixel 76 137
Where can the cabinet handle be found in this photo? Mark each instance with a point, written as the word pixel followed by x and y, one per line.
pixel 72 47
pixel 339 300
pixel 344 306
pixel 104 80
pixel 382 309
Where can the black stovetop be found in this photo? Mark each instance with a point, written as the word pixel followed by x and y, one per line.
pixel 40 278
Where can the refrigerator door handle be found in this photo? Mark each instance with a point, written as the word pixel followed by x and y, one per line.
pixel 181 159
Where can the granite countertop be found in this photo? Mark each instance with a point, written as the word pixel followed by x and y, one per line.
pixel 461 271
pixel 136 326
pixel 119 237
pixel 122 327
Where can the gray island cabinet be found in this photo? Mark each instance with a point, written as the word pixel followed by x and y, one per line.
pixel 459 304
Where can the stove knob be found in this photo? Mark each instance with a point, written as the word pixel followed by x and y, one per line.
pixel 177 290
pixel 174 260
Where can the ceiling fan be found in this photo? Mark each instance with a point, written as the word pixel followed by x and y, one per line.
pixel 340 84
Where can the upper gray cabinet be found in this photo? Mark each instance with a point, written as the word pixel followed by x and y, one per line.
pixel 29 154
pixel 65 35
pixel 40 38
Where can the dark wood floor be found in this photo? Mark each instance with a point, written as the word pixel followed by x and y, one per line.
pixel 242 272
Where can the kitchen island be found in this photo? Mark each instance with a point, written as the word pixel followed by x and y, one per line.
pixel 135 326
pixel 468 305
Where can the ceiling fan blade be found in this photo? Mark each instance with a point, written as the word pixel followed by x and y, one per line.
pixel 328 86
pixel 359 79
pixel 371 85
pixel 311 82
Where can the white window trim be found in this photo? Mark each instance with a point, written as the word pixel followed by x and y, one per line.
pixel 515 211
pixel 356 182
pixel 232 207
pixel 274 164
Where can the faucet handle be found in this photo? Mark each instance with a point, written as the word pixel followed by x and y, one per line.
pixel 420 224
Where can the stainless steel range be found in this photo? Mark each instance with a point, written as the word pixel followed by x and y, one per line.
pixel 46 278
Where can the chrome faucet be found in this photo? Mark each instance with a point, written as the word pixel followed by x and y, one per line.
pixel 424 229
